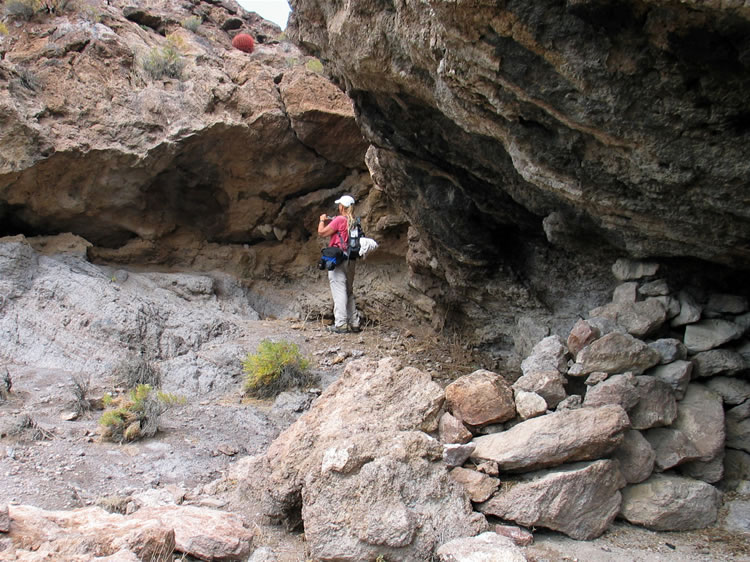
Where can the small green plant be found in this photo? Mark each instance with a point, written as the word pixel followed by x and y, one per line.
pixel 314 65
pixel 137 414
pixel 275 367
pixel 192 23
pixel 3 29
pixel 165 61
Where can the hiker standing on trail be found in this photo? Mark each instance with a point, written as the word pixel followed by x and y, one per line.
pixel 341 278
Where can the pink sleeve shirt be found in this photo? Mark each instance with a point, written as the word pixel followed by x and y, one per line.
pixel 340 225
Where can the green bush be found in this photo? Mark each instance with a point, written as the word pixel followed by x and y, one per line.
pixel 192 23
pixel 137 414
pixel 314 65
pixel 275 367
pixel 164 61
pixel 3 29
pixel 21 9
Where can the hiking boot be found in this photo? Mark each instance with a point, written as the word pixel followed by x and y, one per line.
pixel 355 329
pixel 338 329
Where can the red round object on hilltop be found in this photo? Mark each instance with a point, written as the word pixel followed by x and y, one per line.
pixel 243 42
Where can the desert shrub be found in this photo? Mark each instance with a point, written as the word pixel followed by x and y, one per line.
pixel 192 23
pixel 136 370
pixel 275 367
pixel 314 65
pixel 56 6
pixel 25 425
pixel 21 9
pixel 6 383
pixel 136 414
pixel 80 385
pixel 165 61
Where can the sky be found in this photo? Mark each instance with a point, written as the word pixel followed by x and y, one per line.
pixel 275 10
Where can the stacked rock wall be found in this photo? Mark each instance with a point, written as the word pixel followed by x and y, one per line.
pixel 640 414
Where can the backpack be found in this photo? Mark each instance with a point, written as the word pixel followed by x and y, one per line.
pixel 355 233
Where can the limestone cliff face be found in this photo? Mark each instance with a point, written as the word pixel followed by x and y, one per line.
pixel 513 133
pixel 123 123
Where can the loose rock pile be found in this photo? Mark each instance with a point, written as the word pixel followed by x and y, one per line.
pixel 626 418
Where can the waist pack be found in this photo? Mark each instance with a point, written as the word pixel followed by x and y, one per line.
pixel 331 257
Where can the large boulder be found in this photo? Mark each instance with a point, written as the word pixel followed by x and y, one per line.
pixel 618 389
pixel 358 470
pixel 700 416
pixel 709 334
pixel 636 457
pixel 586 499
pixel 718 362
pixel 676 375
pixel 480 398
pixel 671 503
pixel 638 318
pixel 656 404
pixel 617 353
pixel 738 427
pixel 567 436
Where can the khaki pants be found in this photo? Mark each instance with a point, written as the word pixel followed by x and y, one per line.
pixel 341 280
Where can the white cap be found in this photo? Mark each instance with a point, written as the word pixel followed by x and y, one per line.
pixel 345 200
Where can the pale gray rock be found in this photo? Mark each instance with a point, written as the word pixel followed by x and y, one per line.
pixel 548 384
pixel 617 389
pixel 671 503
pixel 625 293
pixel 366 488
pixel 736 468
pixel 669 349
pixel 626 269
pixel 637 318
pixel 737 519
pixel 738 427
pixel 4 519
pixel 690 310
pixel 709 471
pixel 726 304
pixel 743 321
pixel 636 457
pixel 18 265
pixel 529 404
pixel 700 416
pixel 456 454
pixel 677 375
pixel 480 398
pixel 671 306
pixel 548 354
pixel 587 499
pixel 656 288
pixel 656 405
pixel 617 353
pixel 567 436
pixel 95 325
pixel 452 430
pixel 529 332
pixel 718 362
pixel 732 390
pixel 478 486
pixel 487 547
pixel 671 446
pixel 710 334
pixel 582 334
pixel 572 402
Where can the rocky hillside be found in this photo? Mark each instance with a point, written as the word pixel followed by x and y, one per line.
pixel 137 126
pixel 524 140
